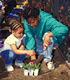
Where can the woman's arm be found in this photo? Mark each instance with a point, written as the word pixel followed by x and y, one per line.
pixel 46 40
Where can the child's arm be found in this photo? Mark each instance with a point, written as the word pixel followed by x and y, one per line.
pixel 33 57
pixel 21 51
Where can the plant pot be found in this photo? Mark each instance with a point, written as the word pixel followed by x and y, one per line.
pixel 31 72
pixel 26 72
pixel 36 72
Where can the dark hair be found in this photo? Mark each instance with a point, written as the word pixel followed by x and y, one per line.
pixel 30 12
pixel 15 25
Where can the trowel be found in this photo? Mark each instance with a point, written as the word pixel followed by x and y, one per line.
pixel 40 57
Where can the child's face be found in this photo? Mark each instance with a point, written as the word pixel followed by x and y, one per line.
pixel 18 33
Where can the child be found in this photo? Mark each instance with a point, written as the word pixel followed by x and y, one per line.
pixel 13 47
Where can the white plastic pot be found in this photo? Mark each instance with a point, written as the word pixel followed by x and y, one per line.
pixel 31 72
pixel 26 72
pixel 36 72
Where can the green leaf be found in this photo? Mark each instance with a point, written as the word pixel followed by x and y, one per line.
pixel 38 66
pixel 25 65
pixel 67 54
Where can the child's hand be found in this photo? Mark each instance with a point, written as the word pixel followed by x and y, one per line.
pixel 31 52
pixel 32 63
pixel 33 60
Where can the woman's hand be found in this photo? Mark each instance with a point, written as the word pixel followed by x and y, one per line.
pixel 46 40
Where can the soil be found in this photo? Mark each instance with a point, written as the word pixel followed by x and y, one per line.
pixel 61 71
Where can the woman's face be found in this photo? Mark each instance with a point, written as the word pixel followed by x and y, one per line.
pixel 33 22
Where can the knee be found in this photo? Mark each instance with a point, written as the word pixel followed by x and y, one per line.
pixel 12 54
pixel 22 47
pixel 8 54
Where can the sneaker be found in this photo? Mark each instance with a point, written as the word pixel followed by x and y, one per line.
pixel 19 64
pixel 50 65
pixel 9 68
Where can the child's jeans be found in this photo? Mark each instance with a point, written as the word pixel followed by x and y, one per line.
pixel 9 56
pixel 39 49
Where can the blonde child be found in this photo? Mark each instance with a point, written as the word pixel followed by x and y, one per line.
pixel 13 47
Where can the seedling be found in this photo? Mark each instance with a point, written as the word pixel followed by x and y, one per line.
pixel 31 69
pixel 26 66
pixel 36 67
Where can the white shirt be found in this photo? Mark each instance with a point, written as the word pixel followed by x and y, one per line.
pixel 11 39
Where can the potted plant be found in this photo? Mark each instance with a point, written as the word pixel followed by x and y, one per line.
pixel 31 70
pixel 26 68
pixel 36 69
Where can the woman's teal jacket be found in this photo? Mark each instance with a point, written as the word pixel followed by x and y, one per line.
pixel 47 24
